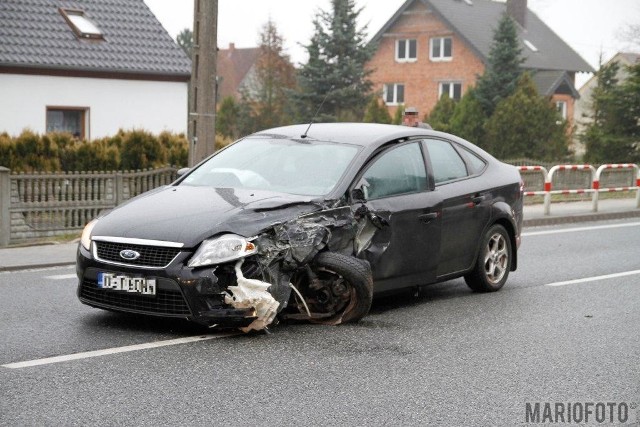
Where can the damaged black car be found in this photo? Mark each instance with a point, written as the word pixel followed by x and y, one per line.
pixel 308 223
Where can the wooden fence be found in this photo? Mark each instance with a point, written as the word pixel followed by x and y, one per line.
pixel 39 205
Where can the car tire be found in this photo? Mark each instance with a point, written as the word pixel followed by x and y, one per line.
pixel 342 292
pixel 492 267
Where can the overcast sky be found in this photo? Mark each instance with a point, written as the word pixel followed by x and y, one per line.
pixel 590 27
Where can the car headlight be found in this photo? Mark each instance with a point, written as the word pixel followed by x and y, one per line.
pixel 85 240
pixel 221 249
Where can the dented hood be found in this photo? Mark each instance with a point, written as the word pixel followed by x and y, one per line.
pixel 188 215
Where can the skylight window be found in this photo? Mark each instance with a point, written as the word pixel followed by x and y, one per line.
pixel 530 45
pixel 80 24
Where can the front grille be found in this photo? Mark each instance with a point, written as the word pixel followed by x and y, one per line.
pixel 165 302
pixel 150 256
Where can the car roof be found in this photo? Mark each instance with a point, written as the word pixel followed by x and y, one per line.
pixel 364 134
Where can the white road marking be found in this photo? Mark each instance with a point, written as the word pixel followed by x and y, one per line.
pixel 61 277
pixel 109 351
pixel 577 229
pixel 596 278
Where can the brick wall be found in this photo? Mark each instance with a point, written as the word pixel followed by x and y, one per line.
pixel 422 77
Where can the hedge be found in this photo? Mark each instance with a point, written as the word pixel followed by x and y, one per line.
pixel 127 150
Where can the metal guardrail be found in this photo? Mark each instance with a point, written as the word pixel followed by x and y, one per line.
pixel 39 205
pixel 595 186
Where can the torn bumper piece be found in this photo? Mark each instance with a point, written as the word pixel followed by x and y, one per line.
pixel 252 294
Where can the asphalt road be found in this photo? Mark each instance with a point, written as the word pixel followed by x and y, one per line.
pixel 557 333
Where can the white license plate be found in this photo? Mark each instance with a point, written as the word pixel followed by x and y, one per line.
pixel 117 282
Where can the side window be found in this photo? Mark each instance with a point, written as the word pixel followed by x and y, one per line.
pixel 398 171
pixel 475 163
pixel 445 160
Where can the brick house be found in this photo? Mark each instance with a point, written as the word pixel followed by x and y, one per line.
pixel 431 47
pixel 90 68
pixel 235 69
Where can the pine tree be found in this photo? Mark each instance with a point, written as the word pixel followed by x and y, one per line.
pixel 614 134
pixel 468 119
pixel 227 118
pixel 501 74
pixel 338 52
pixel 185 41
pixel 440 116
pixel 377 112
pixel 399 114
pixel 266 95
pixel 527 125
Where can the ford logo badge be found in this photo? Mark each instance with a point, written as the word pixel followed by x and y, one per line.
pixel 129 254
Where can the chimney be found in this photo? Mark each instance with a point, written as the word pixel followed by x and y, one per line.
pixel 517 9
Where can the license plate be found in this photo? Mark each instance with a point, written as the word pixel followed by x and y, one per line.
pixel 138 285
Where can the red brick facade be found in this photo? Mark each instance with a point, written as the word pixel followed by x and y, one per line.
pixel 422 77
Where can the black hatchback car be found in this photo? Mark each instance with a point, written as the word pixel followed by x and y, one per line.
pixel 307 223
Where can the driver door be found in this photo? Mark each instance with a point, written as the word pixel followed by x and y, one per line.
pixel 405 250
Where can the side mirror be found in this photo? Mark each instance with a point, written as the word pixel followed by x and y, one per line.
pixel 182 171
pixel 357 194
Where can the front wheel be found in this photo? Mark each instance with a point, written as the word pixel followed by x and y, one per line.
pixel 494 261
pixel 337 289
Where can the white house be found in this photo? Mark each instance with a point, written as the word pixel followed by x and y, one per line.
pixel 89 67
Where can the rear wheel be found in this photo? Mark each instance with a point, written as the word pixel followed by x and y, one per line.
pixel 336 289
pixel 494 261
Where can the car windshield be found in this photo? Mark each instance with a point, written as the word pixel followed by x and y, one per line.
pixel 308 168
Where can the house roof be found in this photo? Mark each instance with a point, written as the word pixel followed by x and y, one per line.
pixel 35 37
pixel 549 82
pixel 233 65
pixel 476 20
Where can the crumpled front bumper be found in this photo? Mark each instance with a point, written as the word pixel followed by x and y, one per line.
pixel 181 292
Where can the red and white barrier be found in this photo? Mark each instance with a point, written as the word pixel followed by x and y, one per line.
pixel 595 182
pixel 598 190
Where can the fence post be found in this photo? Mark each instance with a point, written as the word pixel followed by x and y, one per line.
pixel 119 188
pixel 5 201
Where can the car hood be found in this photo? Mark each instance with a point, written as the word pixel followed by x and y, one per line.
pixel 188 215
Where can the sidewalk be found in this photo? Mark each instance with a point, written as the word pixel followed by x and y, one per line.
pixel 59 254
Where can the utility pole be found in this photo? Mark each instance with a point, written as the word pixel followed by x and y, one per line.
pixel 202 96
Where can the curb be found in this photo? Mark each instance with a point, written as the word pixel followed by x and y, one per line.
pixel 551 220
pixel 36 266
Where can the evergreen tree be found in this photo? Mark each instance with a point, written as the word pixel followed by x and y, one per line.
pixel 185 41
pixel 266 95
pixel 227 118
pixel 527 125
pixel 338 52
pixel 440 116
pixel 468 119
pixel 614 134
pixel 399 114
pixel 500 76
pixel 377 112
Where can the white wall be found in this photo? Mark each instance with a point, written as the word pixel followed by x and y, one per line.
pixel 113 104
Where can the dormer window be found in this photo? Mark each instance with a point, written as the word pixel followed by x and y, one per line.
pixel 530 45
pixel 80 24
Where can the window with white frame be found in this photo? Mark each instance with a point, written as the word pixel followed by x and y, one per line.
pixel 453 89
pixel 440 49
pixel 406 50
pixel 561 106
pixel 393 93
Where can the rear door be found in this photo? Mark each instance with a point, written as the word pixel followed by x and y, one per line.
pixel 404 252
pixel 465 203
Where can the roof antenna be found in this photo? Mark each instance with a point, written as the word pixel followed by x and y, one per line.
pixel 304 135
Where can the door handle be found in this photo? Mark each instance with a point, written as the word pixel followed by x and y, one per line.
pixel 428 217
pixel 477 199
